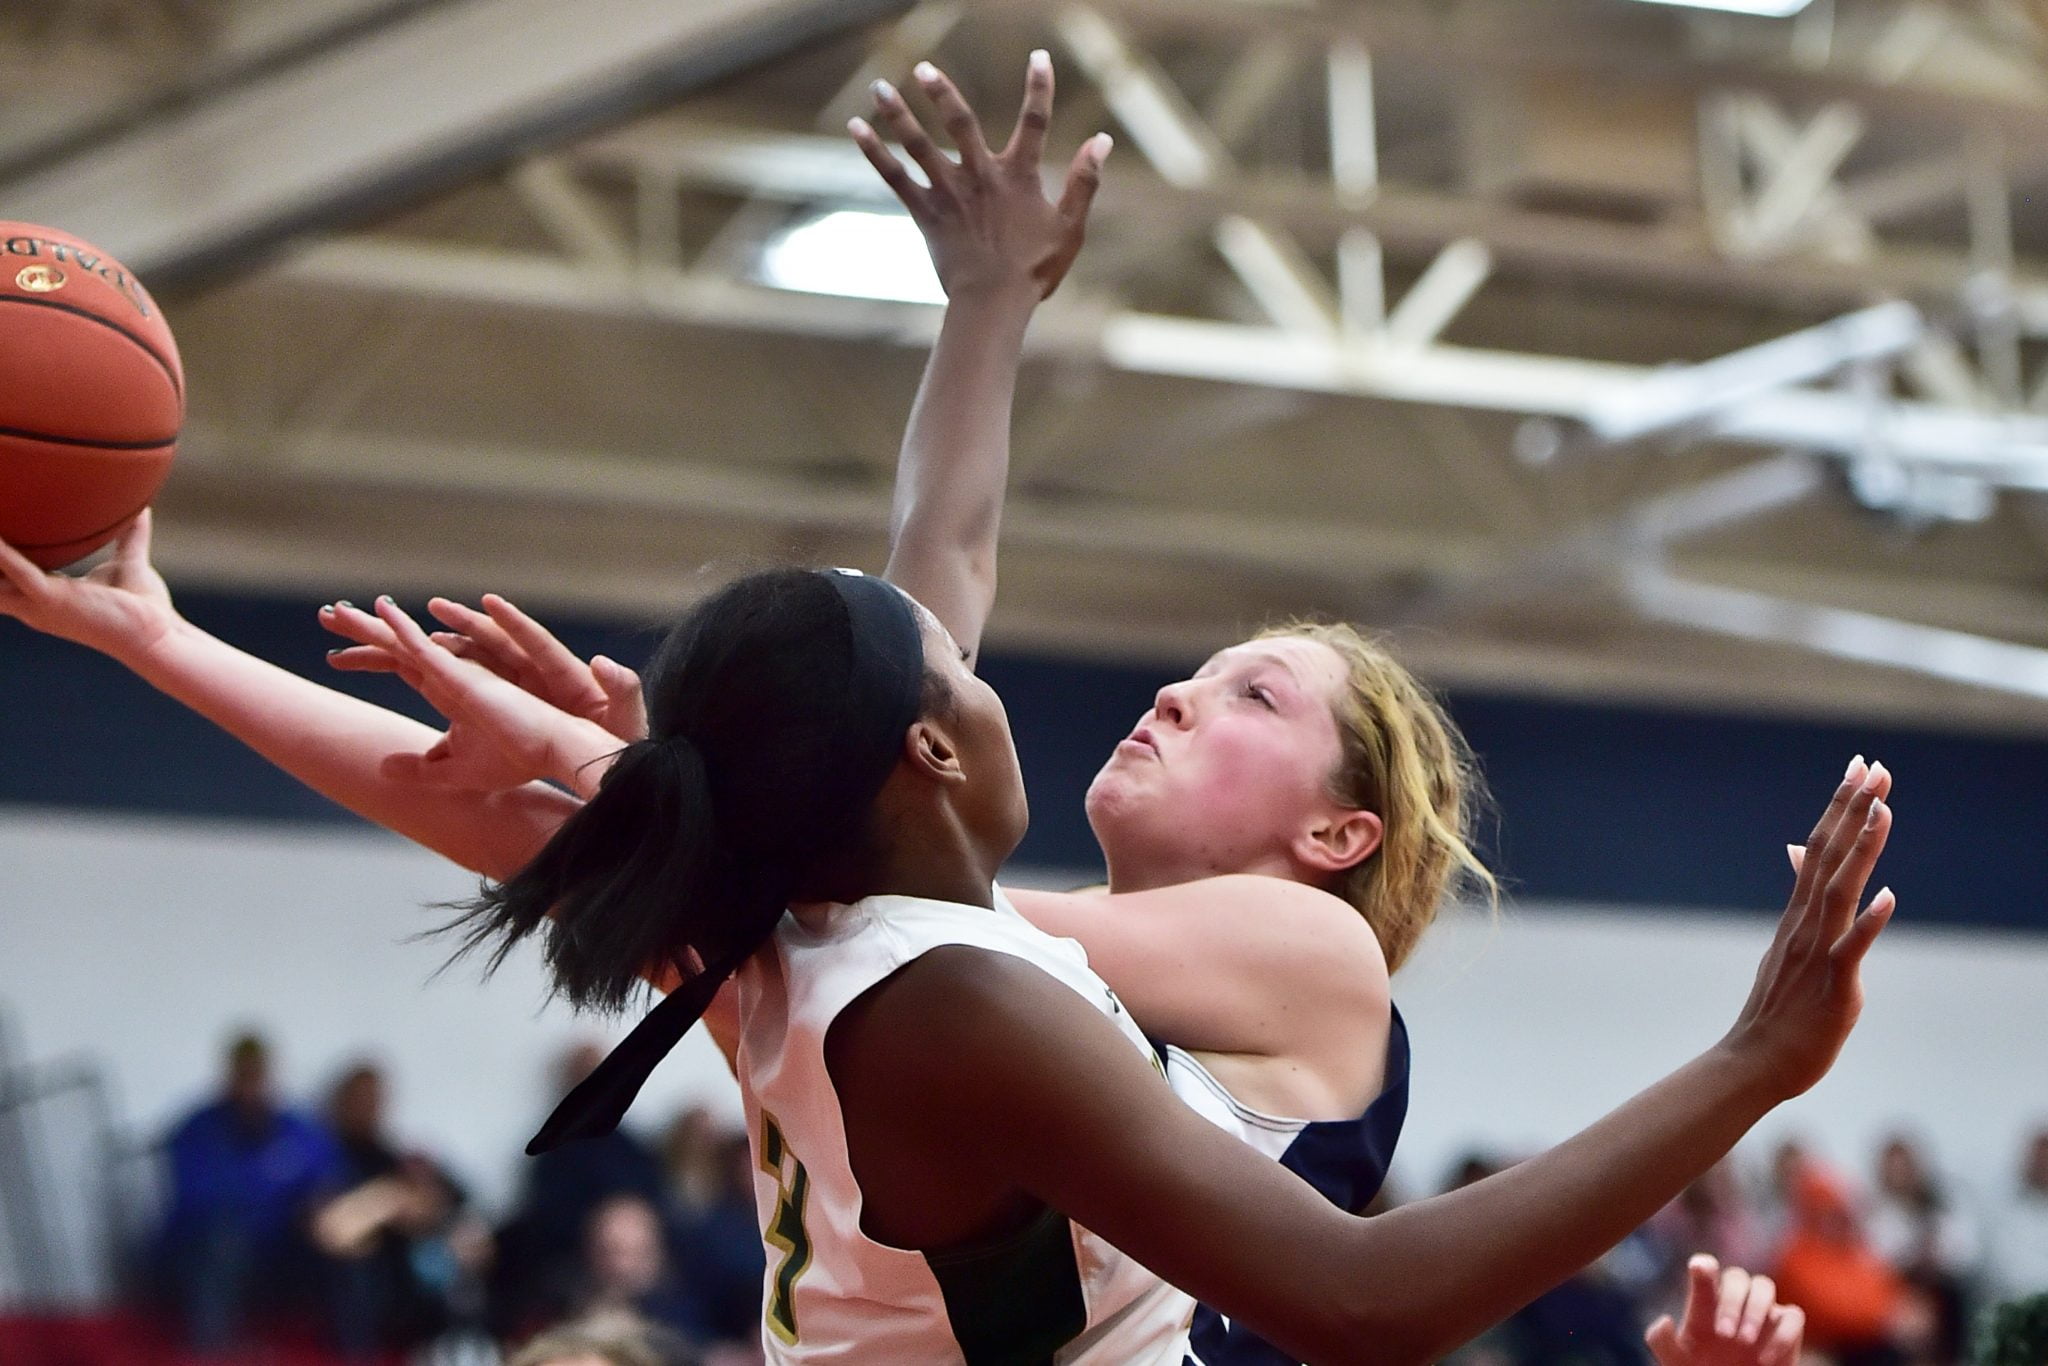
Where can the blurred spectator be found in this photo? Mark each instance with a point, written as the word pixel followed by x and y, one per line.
pixel 407 1252
pixel 624 1269
pixel 1590 1320
pixel 714 1235
pixel 1858 1310
pixel 244 1174
pixel 2019 1263
pixel 1927 1239
pixel 539 1247
pixel 601 1340
pixel 1712 1216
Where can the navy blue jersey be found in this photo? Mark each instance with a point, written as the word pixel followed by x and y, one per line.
pixel 1344 1159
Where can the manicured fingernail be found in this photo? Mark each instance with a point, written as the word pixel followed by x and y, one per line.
pixel 387 599
pixel 1877 811
pixel 1104 145
pixel 858 127
pixel 332 653
pixel 1854 764
pixel 883 91
pixel 1041 60
pixel 327 611
pixel 925 71
pixel 1875 778
pixel 346 603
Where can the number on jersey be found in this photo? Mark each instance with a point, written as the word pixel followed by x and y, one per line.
pixel 785 1231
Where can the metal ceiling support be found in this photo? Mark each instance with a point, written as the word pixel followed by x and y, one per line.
pixel 2005 449
pixel 407 106
pixel 1954 655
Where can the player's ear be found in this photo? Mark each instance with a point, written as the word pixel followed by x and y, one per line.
pixel 1342 838
pixel 931 752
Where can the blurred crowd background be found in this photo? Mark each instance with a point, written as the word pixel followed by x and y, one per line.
pixel 316 1221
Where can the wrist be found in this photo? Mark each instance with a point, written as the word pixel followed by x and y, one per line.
pixel 149 653
pixel 1010 290
pixel 578 755
pixel 1752 1079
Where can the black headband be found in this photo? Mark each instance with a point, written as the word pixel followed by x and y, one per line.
pixel 882 695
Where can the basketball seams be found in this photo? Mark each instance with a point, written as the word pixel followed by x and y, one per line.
pixel 87 443
pixel 87 536
pixel 170 370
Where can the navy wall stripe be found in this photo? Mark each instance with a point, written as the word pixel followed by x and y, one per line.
pixel 1613 804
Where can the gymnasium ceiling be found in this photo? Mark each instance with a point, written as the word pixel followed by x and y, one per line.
pixel 1390 310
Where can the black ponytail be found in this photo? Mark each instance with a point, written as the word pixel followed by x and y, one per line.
pixel 776 709
pixel 616 887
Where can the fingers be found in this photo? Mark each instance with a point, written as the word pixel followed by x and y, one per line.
pixel 895 115
pixel 913 195
pixel 1662 1339
pixel 1785 1330
pixel 960 124
pixel 1855 942
pixel 435 663
pixel 1702 1280
pixel 1731 1297
pixel 1027 141
pixel 1084 178
pixel 351 622
pixel 565 680
pixel 626 709
pixel 1756 1309
pixel 131 546
pixel 1824 828
pixel 22 574
pixel 1814 915
pixel 1843 892
pixel 363 659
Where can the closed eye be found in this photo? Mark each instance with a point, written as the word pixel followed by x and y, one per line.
pixel 1260 695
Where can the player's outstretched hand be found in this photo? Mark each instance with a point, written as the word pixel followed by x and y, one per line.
pixel 1731 1319
pixel 1809 989
pixel 985 217
pixel 511 645
pixel 121 608
pixel 499 735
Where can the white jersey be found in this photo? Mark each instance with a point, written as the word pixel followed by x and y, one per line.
pixel 1053 1294
pixel 1200 1091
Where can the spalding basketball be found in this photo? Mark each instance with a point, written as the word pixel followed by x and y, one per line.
pixel 91 395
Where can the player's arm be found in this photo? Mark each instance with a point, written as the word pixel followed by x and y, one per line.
pixel 999 247
pixel 1237 964
pixel 337 745
pixel 995 1056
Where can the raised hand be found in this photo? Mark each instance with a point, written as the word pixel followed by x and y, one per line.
pixel 513 646
pixel 985 217
pixel 1809 989
pixel 1731 1319
pixel 121 608
pixel 499 734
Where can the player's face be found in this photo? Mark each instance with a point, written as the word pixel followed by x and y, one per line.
pixel 1229 767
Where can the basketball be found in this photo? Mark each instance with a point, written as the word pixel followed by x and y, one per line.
pixel 91 395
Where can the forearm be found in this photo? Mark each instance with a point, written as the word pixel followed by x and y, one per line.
pixel 956 458
pixel 1429 1276
pixel 336 744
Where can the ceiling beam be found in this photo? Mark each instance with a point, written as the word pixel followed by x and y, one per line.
pixel 2006 449
pixel 404 108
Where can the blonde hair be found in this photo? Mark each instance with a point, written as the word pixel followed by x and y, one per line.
pixel 1405 760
